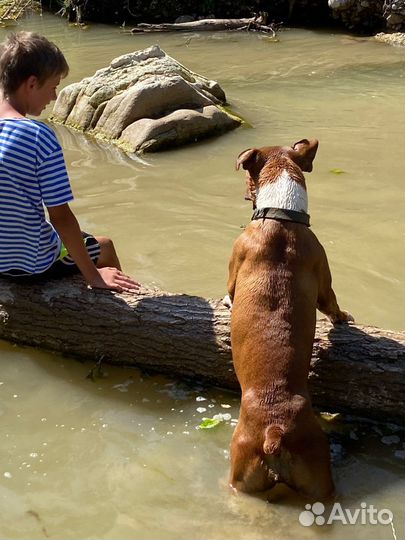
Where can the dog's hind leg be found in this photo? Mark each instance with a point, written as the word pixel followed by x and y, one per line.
pixel 249 472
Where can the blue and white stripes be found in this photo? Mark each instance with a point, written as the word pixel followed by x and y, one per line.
pixel 32 173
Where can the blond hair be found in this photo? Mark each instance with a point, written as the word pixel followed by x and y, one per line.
pixel 24 54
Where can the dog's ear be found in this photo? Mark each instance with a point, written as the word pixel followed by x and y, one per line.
pixel 250 194
pixel 246 158
pixel 304 152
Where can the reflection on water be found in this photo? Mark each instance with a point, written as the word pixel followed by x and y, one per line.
pixel 121 457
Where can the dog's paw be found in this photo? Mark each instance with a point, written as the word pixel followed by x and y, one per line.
pixel 341 317
pixel 227 302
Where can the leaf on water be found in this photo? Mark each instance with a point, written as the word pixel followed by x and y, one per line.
pixel 209 423
pixel 337 171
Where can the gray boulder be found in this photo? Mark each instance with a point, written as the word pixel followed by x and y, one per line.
pixel 394 14
pixel 370 15
pixel 179 127
pixel 145 101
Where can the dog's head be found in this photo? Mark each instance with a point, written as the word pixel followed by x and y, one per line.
pixel 267 163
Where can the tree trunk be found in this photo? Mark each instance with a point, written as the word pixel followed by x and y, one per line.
pixel 205 25
pixel 354 369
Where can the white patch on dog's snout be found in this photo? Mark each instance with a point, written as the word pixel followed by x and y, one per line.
pixel 283 193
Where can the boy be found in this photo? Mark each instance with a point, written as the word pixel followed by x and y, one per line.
pixel 33 175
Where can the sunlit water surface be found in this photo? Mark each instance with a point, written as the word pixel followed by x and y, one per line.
pixel 120 457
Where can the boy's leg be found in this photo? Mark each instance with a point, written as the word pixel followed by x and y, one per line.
pixel 108 255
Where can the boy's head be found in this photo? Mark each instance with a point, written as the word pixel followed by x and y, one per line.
pixel 26 54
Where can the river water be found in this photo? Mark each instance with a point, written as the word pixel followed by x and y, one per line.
pixel 120 457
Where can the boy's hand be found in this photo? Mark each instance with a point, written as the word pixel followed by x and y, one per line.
pixel 114 279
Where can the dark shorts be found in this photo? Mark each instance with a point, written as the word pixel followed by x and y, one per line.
pixel 64 264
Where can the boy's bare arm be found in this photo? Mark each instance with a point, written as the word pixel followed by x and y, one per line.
pixel 67 226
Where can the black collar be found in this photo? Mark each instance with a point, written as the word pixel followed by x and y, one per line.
pixel 280 214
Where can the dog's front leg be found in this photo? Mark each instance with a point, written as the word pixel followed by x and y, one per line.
pixel 231 285
pixel 228 298
pixel 327 302
pixel 234 265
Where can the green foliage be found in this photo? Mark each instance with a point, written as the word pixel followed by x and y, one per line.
pixel 209 423
pixel 11 10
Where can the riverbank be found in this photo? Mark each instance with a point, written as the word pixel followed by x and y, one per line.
pixel 363 17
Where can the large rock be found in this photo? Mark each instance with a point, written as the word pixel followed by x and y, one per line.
pixel 370 15
pixel 394 14
pixel 359 15
pixel 145 101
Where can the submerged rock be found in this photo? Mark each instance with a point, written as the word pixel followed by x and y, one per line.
pixel 145 101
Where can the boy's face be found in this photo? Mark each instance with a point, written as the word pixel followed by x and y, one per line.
pixel 41 94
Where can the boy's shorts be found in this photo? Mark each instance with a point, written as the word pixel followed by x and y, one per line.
pixel 64 264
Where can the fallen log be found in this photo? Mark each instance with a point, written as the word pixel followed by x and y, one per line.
pixel 355 369
pixel 206 25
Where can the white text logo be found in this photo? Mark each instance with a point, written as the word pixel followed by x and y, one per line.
pixel 365 515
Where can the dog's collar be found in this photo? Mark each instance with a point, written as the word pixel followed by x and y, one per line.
pixel 281 214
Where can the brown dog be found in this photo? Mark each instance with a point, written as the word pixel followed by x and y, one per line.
pixel 278 276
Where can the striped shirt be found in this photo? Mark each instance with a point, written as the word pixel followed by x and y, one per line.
pixel 32 174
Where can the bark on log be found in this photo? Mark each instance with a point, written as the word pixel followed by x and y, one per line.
pixel 355 369
pixel 205 25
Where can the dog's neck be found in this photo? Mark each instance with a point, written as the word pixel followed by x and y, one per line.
pixel 283 192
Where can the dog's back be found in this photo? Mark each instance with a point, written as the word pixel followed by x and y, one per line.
pixel 275 300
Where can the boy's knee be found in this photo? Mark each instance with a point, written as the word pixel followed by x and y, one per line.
pixel 105 242
pixel 108 255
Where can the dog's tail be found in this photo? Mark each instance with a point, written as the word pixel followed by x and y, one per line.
pixel 273 438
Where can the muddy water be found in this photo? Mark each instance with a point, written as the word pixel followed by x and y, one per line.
pixel 119 457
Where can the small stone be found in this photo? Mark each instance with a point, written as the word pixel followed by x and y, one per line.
pixel 184 19
pixel 390 439
pixel 336 450
pixel 201 409
pixel 339 4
